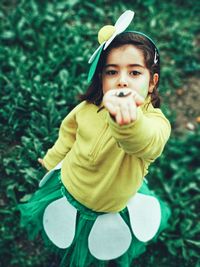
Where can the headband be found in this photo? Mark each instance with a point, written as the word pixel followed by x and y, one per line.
pixel 108 33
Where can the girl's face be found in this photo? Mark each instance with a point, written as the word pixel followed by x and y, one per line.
pixel 125 68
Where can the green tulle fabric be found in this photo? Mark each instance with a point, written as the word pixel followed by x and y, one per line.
pixel 78 255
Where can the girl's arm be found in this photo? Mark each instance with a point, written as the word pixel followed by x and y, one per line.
pixel 64 142
pixel 145 135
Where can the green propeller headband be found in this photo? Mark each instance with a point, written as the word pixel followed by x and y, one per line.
pixel 108 33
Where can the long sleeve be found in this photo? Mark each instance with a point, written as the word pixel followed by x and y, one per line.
pixel 146 137
pixel 66 138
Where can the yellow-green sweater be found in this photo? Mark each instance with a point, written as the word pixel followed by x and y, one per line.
pixel 104 163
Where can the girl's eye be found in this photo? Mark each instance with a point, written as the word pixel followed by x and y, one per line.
pixel 135 73
pixel 111 72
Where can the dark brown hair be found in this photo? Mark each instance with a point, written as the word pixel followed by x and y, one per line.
pixel 94 94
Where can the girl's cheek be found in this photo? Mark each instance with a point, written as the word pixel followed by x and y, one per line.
pixel 143 91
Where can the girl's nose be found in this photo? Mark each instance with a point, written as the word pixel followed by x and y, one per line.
pixel 122 82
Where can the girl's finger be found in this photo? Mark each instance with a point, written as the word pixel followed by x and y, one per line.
pixel 125 113
pixel 110 107
pixel 139 100
pixel 133 111
pixel 118 116
pixel 41 161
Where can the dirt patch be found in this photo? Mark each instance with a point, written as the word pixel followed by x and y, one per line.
pixel 186 105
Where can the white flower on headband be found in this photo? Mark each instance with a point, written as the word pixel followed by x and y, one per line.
pixel 109 32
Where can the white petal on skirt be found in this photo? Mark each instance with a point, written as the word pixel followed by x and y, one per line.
pixel 59 221
pixel 110 237
pixel 145 216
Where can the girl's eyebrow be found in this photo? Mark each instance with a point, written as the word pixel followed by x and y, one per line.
pixel 129 65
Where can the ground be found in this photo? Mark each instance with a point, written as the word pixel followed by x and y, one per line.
pixel 186 105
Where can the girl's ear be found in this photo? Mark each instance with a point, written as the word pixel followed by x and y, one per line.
pixel 153 82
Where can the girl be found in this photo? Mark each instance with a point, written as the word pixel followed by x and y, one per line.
pixel 94 204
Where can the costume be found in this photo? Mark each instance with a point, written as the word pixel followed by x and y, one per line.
pixel 94 204
pixel 102 159
pixel 81 232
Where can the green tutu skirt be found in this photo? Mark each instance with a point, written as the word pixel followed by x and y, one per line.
pixel 78 253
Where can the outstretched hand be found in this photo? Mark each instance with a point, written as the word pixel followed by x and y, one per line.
pixel 122 104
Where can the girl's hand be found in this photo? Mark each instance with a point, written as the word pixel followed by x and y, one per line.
pixel 41 162
pixel 122 104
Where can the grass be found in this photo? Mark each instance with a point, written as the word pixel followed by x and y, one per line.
pixel 44 49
